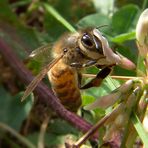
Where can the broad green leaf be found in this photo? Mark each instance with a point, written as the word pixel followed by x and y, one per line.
pixel 123 19
pixel 51 139
pixel 15 134
pixel 94 20
pixel 18 111
pixel 13 111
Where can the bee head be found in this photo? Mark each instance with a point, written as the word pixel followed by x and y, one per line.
pixel 95 46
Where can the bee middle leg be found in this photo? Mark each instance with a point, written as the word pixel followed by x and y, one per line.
pixel 98 79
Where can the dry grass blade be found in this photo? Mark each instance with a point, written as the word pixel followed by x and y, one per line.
pixel 41 143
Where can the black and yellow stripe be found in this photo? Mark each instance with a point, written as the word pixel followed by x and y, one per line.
pixel 64 84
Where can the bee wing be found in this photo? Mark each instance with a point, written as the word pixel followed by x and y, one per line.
pixel 39 77
pixel 42 54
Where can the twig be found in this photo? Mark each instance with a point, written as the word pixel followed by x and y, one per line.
pixel 113 77
pixel 17 135
pixel 42 132
pixel 92 130
pixel 45 94
pixel 87 135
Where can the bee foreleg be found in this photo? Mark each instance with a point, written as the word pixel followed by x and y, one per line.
pixel 89 63
pixel 98 79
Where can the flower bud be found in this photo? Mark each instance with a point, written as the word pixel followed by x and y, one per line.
pixel 110 99
pixel 104 101
pixel 126 63
pixel 126 87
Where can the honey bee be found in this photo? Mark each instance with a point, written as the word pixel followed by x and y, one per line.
pixel 72 53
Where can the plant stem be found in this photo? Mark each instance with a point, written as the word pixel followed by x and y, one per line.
pixel 42 132
pixel 92 130
pixel 17 135
pixel 57 16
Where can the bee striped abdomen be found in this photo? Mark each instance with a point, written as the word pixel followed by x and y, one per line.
pixel 64 84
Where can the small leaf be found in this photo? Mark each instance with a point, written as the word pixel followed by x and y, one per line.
pixel 124 37
pixel 13 112
pixel 50 139
pixel 87 99
pixel 140 130
pixel 123 19
pixel 18 113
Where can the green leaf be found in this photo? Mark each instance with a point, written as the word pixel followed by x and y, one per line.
pixel 53 140
pixel 6 14
pixel 124 37
pixel 106 87
pixel 87 99
pixel 57 16
pixel 141 69
pixel 18 111
pixel 94 20
pixel 50 139
pixel 17 135
pixel 20 38
pixel 61 127
pixel 13 111
pixel 123 19
pixel 139 128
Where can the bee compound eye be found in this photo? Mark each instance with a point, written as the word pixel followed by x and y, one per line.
pixel 87 41
pixel 98 45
